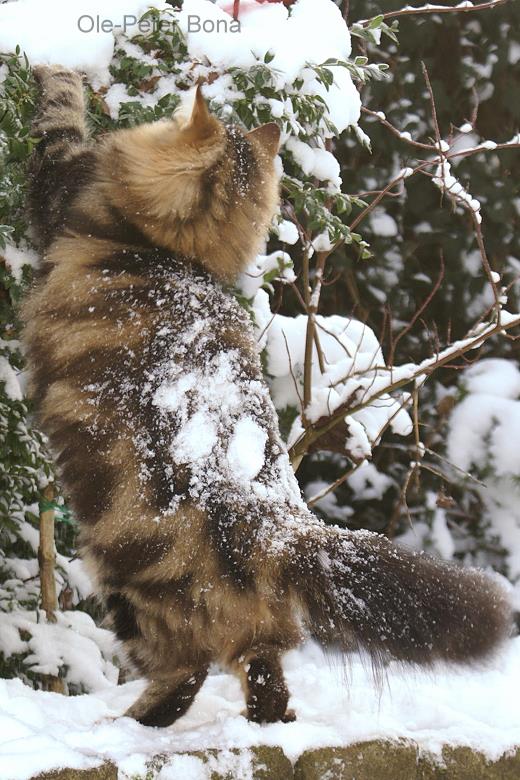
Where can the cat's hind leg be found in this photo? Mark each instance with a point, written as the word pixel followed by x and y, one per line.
pixel 173 681
pixel 167 696
pixel 266 691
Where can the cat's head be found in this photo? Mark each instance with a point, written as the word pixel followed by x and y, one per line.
pixel 196 186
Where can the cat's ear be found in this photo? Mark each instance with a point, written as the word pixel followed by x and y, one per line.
pixel 267 136
pixel 201 123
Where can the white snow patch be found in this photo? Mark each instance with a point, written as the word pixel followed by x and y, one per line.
pixel 51 32
pixel 315 161
pixel 10 380
pixel 196 439
pixel 17 257
pixel 287 232
pixel 252 278
pixel 383 224
pixel 74 642
pixel 246 449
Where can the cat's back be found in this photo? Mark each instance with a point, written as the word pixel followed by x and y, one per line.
pixel 97 303
pixel 107 327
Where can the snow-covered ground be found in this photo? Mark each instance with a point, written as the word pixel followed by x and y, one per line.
pixel 477 708
pixel 41 731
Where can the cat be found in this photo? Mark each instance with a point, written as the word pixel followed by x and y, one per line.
pixel 147 380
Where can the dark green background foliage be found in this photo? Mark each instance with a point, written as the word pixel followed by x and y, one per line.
pixel 466 56
pixel 23 464
pixel 468 60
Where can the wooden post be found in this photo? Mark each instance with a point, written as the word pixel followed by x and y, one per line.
pixel 47 561
pixel 47 558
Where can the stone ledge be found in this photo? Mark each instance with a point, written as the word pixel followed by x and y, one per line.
pixel 462 763
pixel 362 761
pixel 105 772
pixel 375 760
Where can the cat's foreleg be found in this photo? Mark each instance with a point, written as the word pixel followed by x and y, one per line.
pixel 63 153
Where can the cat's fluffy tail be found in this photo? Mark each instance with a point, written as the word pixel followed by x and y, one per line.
pixel 359 590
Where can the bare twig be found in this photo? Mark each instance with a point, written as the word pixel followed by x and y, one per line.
pixel 307 364
pixel 312 302
pixel 366 211
pixel 486 146
pixel 454 466
pixel 424 305
pixel 298 295
pixel 330 488
pixel 436 127
pixel 295 381
pixel 402 502
pixel 381 118
pixel 463 8
pixel 319 350
pixel 485 262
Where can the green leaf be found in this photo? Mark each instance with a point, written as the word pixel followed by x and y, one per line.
pixel 376 22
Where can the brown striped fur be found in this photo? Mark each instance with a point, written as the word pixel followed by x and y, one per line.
pixel 139 233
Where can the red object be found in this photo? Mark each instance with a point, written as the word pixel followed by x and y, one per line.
pixel 236 5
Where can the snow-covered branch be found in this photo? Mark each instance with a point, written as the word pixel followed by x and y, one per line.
pixel 388 380
pixel 431 8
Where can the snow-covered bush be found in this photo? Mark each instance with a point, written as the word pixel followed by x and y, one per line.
pixel 28 645
pixel 484 430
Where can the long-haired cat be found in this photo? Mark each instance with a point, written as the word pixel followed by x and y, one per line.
pixel 148 383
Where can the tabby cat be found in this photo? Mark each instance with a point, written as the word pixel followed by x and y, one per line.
pixel 147 380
